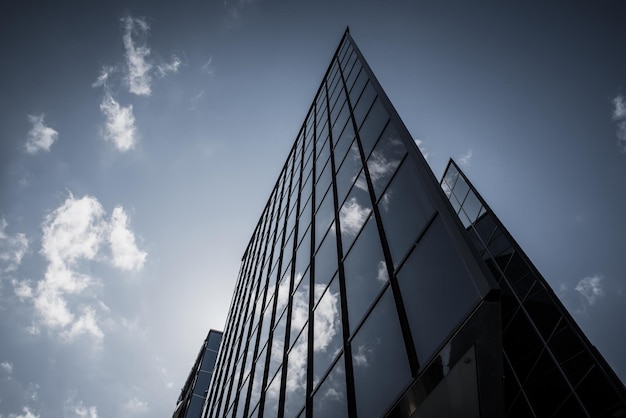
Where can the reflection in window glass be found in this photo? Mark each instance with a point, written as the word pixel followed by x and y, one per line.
pixel 324 217
pixel 343 142
pixel 405 209
pixel 364 103
pixel 366 273
pixel 330 399
pixel 341 121
pixel 348 171
pixel 326 259
pixel 258 379
pixel 385 158
pixel 353 214
pixel 381 366
pixel 271 396
pixel 278 344
pixel 324 179
pixel 327 336
pixel 460 189
pixel 299 310
pixel 295 385
pixel 357 70
pixel 373 125
pixel 471 207
pixel 441 290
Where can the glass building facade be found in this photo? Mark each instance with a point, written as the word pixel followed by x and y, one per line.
pixel 550 367
pixel 361 292
pixel 193 394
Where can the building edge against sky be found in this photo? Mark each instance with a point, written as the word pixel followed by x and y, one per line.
pixel 193 393
pixel 362 293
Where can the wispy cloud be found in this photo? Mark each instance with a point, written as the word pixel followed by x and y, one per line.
pixel 169 67
pixel 40 137
pixel 103 77
pixel 120 123
pixel 12 248
pixel 126 255
pixel 591 288
pixel 619 115
pixel 139 66
pixel 208 67
pixel 73 234
pixel 27 413
pixel 466 158
pixel 135 406
pixel 76 409
pixel 7 367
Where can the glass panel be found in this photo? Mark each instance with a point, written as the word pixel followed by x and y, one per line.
pixel 299 310
pixel 324 180
pixel 439 291
pixel 303 258
pixel 348 172
pixel 330 399
pixel 271 396
pixel 324 217
pixel 385 159
pixel 460 189
pixel 354 73
pixel 341 121
pixel 356 88
pixel 327 335
pixel 405 209
pixel 471 206
pixel 381 367
pixel 278 344
pixel 295 386
pixel 326 259
pixel 354 212
pixel 373 125
pixel 343 142
pixel 364 103
pixel 258 379
pixel 366 273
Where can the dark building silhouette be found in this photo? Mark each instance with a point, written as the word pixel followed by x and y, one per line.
pixel 368 290
pixel 193 394
pixel 550 367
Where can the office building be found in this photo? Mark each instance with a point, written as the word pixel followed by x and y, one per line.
pixel 365 292
pixel 193 394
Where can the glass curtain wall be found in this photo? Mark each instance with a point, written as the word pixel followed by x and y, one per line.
pixel 343 297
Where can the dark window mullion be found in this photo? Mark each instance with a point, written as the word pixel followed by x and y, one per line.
pixel 404 322
pixel 351 399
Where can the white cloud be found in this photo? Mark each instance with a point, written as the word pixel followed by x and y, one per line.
pixel 137 54
pixel 352 216
pixel 120 124
pixel 169 67
pixel 619 107
pixel 12 248
pixel 40 137
pixel 465 159
pixel 126 255
pixel 27 413
pixel 135 406
pixel 591 288
pixel 7 367
pixel 104 75
pixel 73 233
pixel 208 67
pixel 76 409
pixel 619 115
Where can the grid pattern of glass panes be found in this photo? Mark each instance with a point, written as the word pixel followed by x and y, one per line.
pixel 318 326
pixel 550 367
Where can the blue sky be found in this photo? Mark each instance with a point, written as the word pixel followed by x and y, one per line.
pixel 139 142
